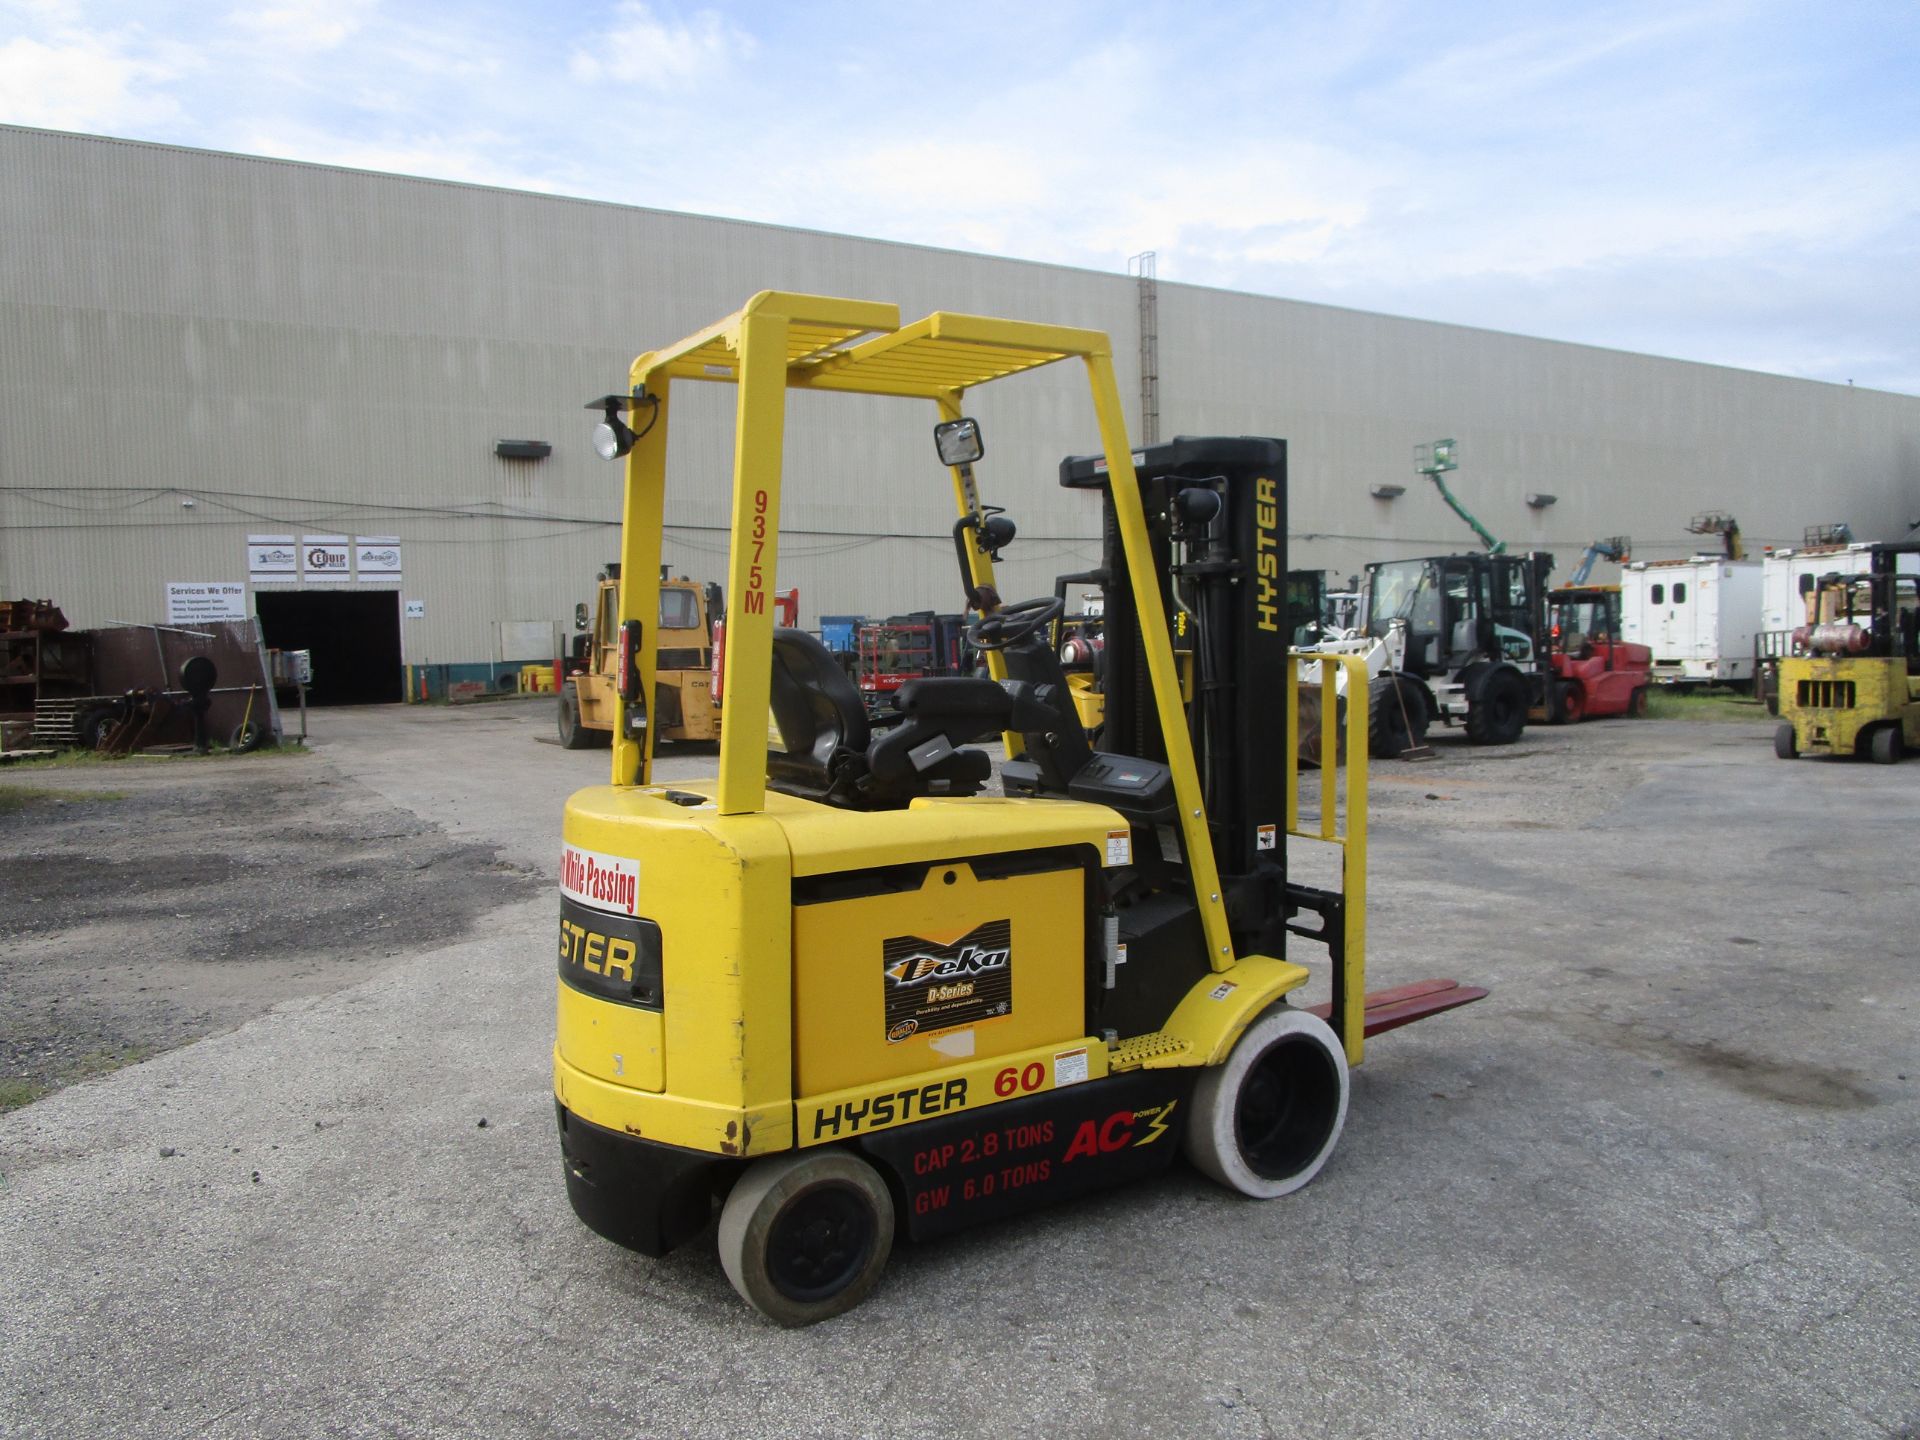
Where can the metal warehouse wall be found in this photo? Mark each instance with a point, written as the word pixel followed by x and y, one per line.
pixel 303 350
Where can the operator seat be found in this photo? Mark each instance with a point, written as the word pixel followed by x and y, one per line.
pixel 827 750
pixel 820 719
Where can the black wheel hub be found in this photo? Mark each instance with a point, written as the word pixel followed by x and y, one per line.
pixel 820 1243
pixel 1286 1108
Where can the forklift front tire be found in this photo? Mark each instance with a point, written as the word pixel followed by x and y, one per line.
pixel 1885 748
pixel 1784 743
pixel 804 1236
pixel 1266 1119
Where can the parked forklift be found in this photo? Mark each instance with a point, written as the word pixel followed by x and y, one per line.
pixel 1595 672
pixel 1464 640
pixel 841 990
pixel 684 706
pixel 1852 685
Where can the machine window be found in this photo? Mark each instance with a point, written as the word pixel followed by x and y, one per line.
pixel 1659 595
pixel 1680 593
pixel 679 610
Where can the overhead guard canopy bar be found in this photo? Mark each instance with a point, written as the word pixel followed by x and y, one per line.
pixel 937 356
pixel 814 342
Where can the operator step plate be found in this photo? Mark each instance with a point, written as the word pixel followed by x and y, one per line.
pixel 1152 1050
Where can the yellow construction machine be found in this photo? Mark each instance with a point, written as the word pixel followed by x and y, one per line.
pixel 684 705
pixel 849 988
pixel 1852 684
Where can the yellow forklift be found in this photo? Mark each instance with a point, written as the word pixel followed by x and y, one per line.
pixel 1852 685
pixel 844 990
pixel 684 706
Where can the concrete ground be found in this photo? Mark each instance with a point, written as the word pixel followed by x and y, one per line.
pixel 1662 1183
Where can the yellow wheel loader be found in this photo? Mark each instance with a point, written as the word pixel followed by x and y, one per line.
pixel 849 990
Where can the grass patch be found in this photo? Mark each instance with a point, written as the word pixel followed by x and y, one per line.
pixel 15 1093
pixel 92 759
pixel 1712 703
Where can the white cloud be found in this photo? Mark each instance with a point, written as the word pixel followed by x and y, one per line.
pixel 643 49
pixel 305 25
pixel 81 84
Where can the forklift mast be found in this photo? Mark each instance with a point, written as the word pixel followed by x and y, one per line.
pixel 1217 518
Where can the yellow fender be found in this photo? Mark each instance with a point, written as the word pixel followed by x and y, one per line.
pixel 1217 1009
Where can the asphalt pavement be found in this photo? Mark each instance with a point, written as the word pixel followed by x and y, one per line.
pixel 1662 1183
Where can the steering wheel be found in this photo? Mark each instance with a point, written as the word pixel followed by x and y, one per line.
pixel 1011 624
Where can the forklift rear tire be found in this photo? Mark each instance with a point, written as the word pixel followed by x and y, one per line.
pixel 804 1237
pixel 1885 748
pixel 1265 1121
pixel 1784 743
pixel 1637 704
pixel 1498 715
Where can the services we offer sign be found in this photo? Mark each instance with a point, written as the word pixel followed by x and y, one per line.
pixel 192 602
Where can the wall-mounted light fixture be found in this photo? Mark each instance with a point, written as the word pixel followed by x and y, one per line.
pixel 1541 502
pixel 1387 492
pixel 522 449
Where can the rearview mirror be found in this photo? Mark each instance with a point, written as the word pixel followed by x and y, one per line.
pixel 958 441
pixel 580 616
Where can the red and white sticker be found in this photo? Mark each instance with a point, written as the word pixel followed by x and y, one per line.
pixel 1069 1067
pixel 606 882
pixel 1119 848
pixel 1266 837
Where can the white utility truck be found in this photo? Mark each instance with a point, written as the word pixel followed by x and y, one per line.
pixel 1697 616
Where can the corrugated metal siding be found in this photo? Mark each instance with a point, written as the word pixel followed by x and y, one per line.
pixel 305 350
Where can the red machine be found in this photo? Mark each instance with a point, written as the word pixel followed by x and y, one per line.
pixel 1594 672
pixel 890 655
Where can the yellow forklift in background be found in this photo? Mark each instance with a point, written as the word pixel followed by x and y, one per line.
pixel 684 705
pixel 843 990
pixel 1852 685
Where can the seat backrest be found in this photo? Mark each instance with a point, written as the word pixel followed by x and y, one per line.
pixel 816 708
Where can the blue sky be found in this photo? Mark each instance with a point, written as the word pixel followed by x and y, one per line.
pixel 1736 181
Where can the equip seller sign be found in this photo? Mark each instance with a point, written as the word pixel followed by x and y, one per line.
pixel 325 555
pixel 606 882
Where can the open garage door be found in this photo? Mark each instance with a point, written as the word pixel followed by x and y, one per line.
pixel 354 636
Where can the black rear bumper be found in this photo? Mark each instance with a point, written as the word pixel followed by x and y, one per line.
pixel 639 1193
